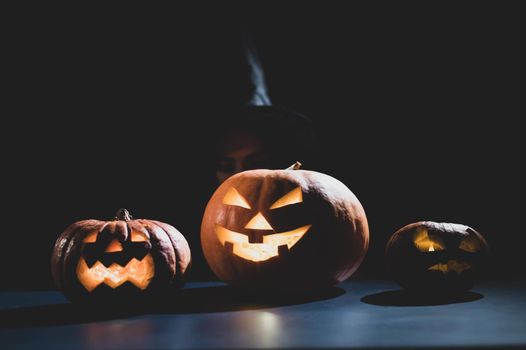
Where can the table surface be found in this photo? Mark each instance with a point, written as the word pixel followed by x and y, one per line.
pixel 356 314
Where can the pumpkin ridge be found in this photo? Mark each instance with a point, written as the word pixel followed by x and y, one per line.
pixel 58 277
pixel 150 227
pixel 177 271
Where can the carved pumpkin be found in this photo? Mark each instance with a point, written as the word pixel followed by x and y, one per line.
pixel 436 257
pixel 285 229
pixel 119 259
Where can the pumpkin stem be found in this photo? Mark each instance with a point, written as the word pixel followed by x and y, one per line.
pixel 123 214
pixel 294 166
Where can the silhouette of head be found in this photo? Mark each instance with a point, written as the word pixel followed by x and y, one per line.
pixel 263 137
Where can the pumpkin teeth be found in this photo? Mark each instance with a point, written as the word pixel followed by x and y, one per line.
pixel 451 266
pixel 256 252
pixel 138 272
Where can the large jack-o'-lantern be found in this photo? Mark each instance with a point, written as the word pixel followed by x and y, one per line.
pixel 286 229
pixel 119 259
pixel 436 257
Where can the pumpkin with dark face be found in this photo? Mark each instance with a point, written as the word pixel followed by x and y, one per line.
pixel 285 229
pixel 436 257
pixel 119 259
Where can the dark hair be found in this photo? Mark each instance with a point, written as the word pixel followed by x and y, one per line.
pixel 287 134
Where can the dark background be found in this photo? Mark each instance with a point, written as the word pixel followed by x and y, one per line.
pixel 417 108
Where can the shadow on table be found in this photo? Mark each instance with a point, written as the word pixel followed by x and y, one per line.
pixel 192 300
pixel 58 314
pixel 404 298
pixel 225 298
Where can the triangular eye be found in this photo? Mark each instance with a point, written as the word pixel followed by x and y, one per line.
pixel 425 242
pixel 232 197
pixel 293 197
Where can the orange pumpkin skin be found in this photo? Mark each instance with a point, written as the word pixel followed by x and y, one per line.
pixel 329 252
pixel 84 244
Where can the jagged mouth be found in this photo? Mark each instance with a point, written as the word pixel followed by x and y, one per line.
pixel 260 251
pixel 137 272
pixel 452 266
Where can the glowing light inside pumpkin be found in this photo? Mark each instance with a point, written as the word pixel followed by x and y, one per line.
pixel 114 246
pixel 91 237
pixel 232 197
pixel 470 245
pixel 260 251
pixel 138 272
pixel 451 265
pixel 137 236
pixel 427 243
pixel 293 197
pixel 258 222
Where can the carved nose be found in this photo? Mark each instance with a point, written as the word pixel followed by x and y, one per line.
pixel 258 222
pixel 114 246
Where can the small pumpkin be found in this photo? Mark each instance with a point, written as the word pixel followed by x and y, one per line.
pixel 436 257
pixel 284 229
pixel 119 259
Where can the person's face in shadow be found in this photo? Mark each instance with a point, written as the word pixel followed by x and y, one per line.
pixel 239 150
